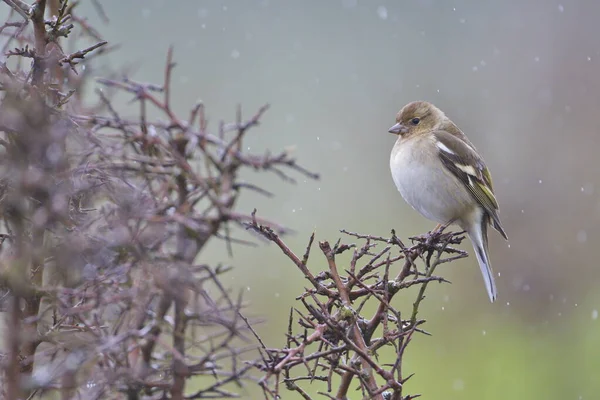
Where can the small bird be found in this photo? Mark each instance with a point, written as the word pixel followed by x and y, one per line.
pixel 439 173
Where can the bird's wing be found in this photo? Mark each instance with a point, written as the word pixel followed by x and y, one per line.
pixel 464 163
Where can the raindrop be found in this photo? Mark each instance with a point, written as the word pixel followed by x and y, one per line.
pixel 475 68
pixel 484 332
pixel 463 20
pixel 582 236
pixel 536 59
pixel 595 315
pixel 561 8
pixel 589 58
pixel 382 12
pixel 508 303
pixel 540 181
pixel 588 188
pixel 235 54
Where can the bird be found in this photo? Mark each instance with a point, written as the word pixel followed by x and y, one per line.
pixel 440 174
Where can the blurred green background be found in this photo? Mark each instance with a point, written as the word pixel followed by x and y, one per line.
pixel 521 78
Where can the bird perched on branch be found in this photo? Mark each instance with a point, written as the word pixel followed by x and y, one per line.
pixel 440 174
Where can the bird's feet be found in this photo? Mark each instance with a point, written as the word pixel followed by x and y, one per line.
pixel 434 236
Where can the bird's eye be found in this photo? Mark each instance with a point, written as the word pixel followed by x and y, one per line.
pixel 415 121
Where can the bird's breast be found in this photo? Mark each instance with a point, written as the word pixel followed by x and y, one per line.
pixel 425 184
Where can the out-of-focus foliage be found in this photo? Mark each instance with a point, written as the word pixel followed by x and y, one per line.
pixel 103 218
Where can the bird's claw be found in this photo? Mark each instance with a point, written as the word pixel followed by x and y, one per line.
pixel 435 236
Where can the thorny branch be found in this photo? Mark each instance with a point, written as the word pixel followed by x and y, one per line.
pixel 336 341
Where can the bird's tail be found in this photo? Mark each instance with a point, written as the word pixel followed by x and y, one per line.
pixel 478 236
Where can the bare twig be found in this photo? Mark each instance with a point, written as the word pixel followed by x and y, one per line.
pixel 336 314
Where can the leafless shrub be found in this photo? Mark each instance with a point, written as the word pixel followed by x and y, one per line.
pixel 105 218
pixel 331 337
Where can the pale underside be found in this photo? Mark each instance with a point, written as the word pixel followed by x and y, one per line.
pixel 417 173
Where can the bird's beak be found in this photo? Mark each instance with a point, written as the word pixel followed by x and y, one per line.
pixel 398 129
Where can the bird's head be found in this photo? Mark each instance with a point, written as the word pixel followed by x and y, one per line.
pixel 417 117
